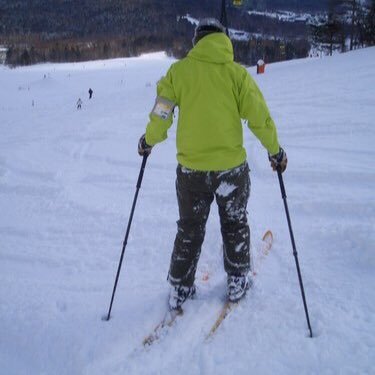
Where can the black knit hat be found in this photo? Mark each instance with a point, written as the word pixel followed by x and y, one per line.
pixel 207 26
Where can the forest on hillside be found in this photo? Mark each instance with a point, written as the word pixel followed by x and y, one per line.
pixel 69 30
pixel 107 17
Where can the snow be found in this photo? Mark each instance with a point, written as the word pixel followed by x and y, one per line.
pixel 285 16
pixel 3 53
pixel 225 189
pixel 234 34
pixel 67 182
pixel 192 20
pixel 317 18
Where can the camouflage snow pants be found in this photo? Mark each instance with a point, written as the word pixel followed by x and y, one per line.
pixel 195 192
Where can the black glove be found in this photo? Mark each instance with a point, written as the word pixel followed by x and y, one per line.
pixel 278 161
pixel 143 147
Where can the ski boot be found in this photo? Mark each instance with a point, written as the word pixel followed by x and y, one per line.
pixel 237 287
pixel 179 294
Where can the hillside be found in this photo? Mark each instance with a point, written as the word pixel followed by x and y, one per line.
pixel 93 17
pixel 67 181
pixel 69 31
pixel 56 31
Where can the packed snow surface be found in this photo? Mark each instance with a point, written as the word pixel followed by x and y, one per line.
pixel 67 182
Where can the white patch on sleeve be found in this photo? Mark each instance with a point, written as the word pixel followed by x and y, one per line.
pixel 163 108
pixel 225 189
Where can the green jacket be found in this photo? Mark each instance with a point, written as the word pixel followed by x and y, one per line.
pixel 213 94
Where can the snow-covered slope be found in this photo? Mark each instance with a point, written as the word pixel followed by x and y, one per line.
pixel 67 181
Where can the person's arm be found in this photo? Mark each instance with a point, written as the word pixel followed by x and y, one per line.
pixel 254 109
pixel 161 116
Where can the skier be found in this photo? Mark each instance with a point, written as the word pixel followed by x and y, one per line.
pixel 213 94
pixel 90 93
pixel 79 103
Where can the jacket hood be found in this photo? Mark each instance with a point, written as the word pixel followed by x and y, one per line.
pixel 215 48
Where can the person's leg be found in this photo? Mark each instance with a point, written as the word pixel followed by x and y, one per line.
pixel 232 196
pixel 194 200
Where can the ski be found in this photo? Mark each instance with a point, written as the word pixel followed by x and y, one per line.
pixel 229 306
pixel 226 309
pixel 167 321
pixel 171 316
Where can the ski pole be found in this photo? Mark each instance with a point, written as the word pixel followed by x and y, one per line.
pixel 139 182
pixel 223 17
pixel 283 194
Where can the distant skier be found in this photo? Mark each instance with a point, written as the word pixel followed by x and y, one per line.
pixel 90 93
pixel 79 103
pixel 213 94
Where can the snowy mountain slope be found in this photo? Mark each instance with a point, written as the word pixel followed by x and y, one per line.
pixel 67 181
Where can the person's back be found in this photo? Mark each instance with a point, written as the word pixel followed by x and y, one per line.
pixel 209 133
pixel 213 93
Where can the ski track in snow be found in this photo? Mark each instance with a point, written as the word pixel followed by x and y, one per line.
pixel 67 182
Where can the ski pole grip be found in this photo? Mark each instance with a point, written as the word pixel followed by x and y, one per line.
pixel 141 172
pixel 281 181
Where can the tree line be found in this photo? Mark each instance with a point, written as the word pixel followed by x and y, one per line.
pixel 68 31
pixel 349 24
